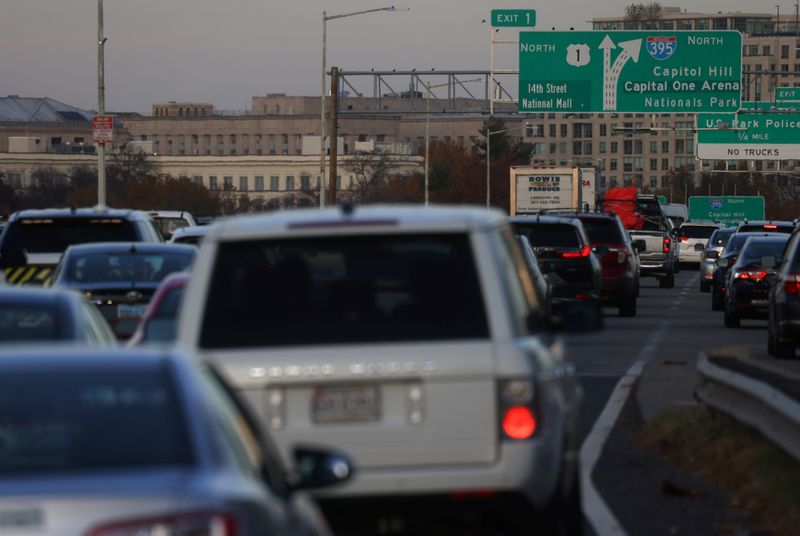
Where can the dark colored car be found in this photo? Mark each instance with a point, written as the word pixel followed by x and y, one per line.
pixel 765 226
pixel 747 281
pixel 726 259
pixel 34 240
pixel 563 249
pixel 784 303
pixel 36 315
pixel 618 260
pixel 106 443
pixel 708 260
pixel 160 322
pixel 541 283
pixel 120 278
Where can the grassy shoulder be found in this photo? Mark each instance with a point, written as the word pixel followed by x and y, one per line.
pixel 761 479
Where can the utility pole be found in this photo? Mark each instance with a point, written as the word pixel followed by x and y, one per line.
pixel 334 135
pixel 101 106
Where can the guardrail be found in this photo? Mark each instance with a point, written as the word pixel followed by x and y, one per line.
pixel 751 400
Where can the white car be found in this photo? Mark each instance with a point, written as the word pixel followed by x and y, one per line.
pixel 169 221
pixel 410 338
pixel 693 238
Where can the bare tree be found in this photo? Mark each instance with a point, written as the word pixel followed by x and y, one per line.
pixel 371 172
pixel 634 12
pixel 651 12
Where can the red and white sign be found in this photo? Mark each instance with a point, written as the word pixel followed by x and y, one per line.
pixel 103 128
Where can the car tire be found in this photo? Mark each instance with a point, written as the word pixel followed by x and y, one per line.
pixel 717 302
pixel 732 320
pixel 628 307
pixel 705 286
pixel 667 281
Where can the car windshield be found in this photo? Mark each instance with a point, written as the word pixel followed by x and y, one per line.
pixel 602 230
pixel 720 238
pixel 696 231
pixel 767 228
pixel 168 226
pixel 125 266
pixel 68 420
pixel 549 235
pixel 757 248
pixel 54 235
pixel 25 322
pixel 344 290
pixel 735 243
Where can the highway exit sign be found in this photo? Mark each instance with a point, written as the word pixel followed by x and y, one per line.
pixel 787 94
pixel 726 209
pixel 760 131
pixel 519 18
pixel 652 72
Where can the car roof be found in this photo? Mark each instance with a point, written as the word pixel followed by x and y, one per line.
pixel 363 219
pixel 79 213
pixel 580 215
pixel 36 295
pixel 194 230
pixel 46 357
pixel 549 219
pixel 767 222
pixel 691 223
pixel 772 237
pixel 121 247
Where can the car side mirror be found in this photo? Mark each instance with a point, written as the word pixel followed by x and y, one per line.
pixel 319 468
pixel 713 254
pixel 600 250
pixel 723 262
pixel 640 245
pixel 699 247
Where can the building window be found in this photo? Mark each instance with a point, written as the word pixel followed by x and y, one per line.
pixel 612 164
pixel 259 183
pixel 258 143
pixel 272 147
pixel 232 144
pixel 285 144
pixel 212 182
pixel 665 146
pixel 298 144
pixel 243 184
pixel 169 145
pixel 305 182
pixel 563 129
pixel 245 144
pixel 220 144
pixel 766 50
pixel 198 180
pixel 614 147
pixel 784 52
pixel 274 183
pixel 627 146
pixel 653 164
pixel 654 147
pixel 227 183
pixel 290 183
pixel 665 164
pixel 653 181
pixel 602 147
pixel 603 129
pixel 15 180
pixel 551 130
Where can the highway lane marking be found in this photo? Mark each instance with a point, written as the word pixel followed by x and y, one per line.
pixel 595 509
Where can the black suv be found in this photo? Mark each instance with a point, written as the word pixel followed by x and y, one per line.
pixel 748 280
pixel 727 259
pixel 783 308
pixel 34 240
pixel 618 260
pixel 765 226
pixel 564 253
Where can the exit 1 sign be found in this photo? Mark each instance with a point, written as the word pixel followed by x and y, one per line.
pixel 519 18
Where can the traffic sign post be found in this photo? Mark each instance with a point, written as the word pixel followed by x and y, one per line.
pixel 103 129
pixel 759 132
pixel 514 18
pixel 726 209
pixel 638 71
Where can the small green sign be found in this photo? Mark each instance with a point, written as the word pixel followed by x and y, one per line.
pixel 514 18
pixel 760 131
pixel 726 209
pixel 636 71
pixel 662 199
pixel 787 94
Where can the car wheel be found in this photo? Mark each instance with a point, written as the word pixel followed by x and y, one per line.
pixel 628 307
pixel 667 281
pixel 732 320
pixel 717 302
pixel 705 286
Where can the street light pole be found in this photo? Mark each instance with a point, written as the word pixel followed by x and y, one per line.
pixel 101 106
pixel 325 19
pixel 488 159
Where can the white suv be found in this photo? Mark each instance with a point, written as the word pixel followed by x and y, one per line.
pixel 409 338
pixel 693 237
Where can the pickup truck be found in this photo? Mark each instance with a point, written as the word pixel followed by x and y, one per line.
pixel 652 233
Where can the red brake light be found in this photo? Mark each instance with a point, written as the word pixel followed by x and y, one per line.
pixel 770 227
pixel 792 284
pixel 755 275
pixel 583 252
pixel 519 422
pixel 684 239
pixel 189 524
pixel 666 244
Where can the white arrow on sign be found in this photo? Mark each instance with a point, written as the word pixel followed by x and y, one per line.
pixel 630 50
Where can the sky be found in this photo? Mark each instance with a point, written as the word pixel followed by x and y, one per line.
pixel 225 52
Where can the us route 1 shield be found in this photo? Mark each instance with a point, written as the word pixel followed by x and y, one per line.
pixel 655 72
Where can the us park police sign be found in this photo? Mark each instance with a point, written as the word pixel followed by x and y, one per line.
pixel 630 71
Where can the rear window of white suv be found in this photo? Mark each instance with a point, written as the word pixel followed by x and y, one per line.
pixel 344 289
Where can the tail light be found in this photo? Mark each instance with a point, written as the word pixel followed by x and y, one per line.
pixel 684 239
pixel 622 256
pixel 191 524
pixel 792 284
pixel 755 275
pixel 665 244
pixel 583 252
pixel 769 226
pixel 517 411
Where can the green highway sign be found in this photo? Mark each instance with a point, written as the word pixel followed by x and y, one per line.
pixel 637 71
pixel 787 94
pixel 726 209
pixel 517 18
pixel 758 132
pixel 662 199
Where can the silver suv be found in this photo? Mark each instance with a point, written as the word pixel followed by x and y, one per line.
pixel 410 338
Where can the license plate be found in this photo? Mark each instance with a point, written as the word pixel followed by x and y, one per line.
pixel 345 404
pixel 130 311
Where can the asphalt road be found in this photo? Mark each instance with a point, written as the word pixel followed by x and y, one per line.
pixel 631 371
